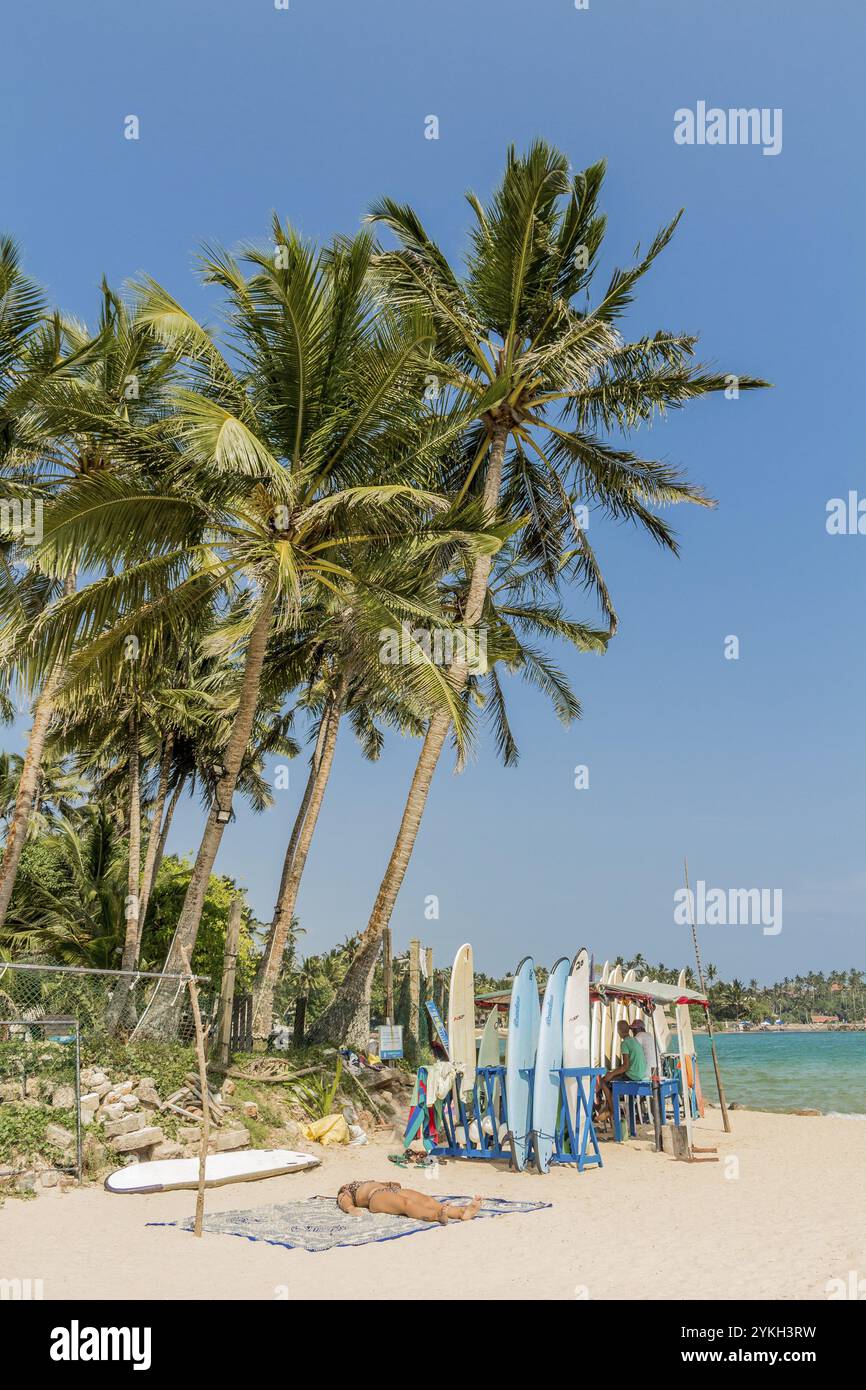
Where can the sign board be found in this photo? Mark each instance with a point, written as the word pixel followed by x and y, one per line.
pixel 439 1026
pixel 391 1041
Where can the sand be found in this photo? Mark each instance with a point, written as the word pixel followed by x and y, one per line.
pixel 778 1217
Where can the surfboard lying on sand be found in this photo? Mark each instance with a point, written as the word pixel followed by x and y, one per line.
pixel 523 1022
pixel 173 1174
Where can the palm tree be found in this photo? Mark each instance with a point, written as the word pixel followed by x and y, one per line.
pixel 259 483
pixel 121 367
pixel 528 380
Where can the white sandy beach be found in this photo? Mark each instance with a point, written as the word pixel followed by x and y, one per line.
pixel 790 1221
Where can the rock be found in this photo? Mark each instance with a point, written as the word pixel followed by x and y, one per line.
pixel 10 1090
pixel 63 1097
pixel 25 1182
pixel 292 1130
pixel 228 1087
pixel 100 1089
pixel 129 1102
pixel 50 1178
pixel 66 1181
pixel 228 1139
pixel 190 1150
pixel 95 1078
pixel 59 1135
pixel 89 1101
pixel 807 1112
pixel 125 1088
pixel 112 1112
pixel 250 1109
pixel 190 1134
pixel 122 1124
pixel 378 1080
pixel 137 1139
pixel 93 1153
pixel 148 1094
pixel 169 1148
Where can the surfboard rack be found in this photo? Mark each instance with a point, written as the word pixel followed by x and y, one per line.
pixel 577 1143
pixel 477 1127
pixel 485 1113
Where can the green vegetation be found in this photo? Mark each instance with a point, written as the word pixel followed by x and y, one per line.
pixel 371 443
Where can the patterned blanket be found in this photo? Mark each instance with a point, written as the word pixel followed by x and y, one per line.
pixel 318 1224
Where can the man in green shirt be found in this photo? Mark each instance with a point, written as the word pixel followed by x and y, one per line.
pixel 633 1066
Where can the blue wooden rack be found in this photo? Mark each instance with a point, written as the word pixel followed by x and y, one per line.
pixel 487 1110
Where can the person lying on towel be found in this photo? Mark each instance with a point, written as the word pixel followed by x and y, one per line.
pixel 633 1066
pixel 355 1197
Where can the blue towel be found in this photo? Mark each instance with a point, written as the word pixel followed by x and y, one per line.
pixel 319 1224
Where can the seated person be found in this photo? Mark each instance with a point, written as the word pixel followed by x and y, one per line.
pixel 390 1197
pixel 633 1066
pixel 647 1042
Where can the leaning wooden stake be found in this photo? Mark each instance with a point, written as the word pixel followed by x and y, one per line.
pixel 227 991
pixel 719 1087
pixel 202 1073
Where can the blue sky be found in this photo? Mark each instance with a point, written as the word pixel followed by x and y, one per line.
pixel 753 767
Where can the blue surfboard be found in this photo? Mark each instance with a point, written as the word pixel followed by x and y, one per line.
pixel 548 1058
pixel 523 1023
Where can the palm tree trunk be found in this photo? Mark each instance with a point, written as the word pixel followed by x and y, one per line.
pixel 347 1017
pixel 28 785
pixel 166 826
pixel 119 1008
pixel 155 838
pixel 162 1015
pixel 293 868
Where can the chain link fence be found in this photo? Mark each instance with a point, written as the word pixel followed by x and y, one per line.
pixel 51 1017
pixel 30 991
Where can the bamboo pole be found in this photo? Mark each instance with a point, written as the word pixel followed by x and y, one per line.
pixel 205 1108
pixel 227 990
pixel 719 1087
pixel 414 997
pixel 388 970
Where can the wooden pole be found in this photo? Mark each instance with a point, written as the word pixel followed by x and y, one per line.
pixel 414 996
pixel 227 989
pixel 388 969
pixel 428 956
pixel 205 1106
pixel 719 1087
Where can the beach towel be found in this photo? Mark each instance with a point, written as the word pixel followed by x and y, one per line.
pixel 319 1224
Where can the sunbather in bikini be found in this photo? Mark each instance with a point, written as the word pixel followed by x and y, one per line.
pixel 354 1197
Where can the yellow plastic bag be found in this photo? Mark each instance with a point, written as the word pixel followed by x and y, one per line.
pixel 330 1130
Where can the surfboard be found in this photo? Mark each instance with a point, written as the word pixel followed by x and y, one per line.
pixel 174 1174
pixel 461 1017
pixel 524 1019
pixel 614 1013
pixel 488 1048
pixel 548 1057
pixel 631 1010
pixel 488 1052
pixel 599 1018
pixel 576 1025
pixel 689 1044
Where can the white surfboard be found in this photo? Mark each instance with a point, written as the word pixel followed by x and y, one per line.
pixel 631 1009
pixel 576 1025
pixel 599 1018
pixel 614 1014
pixel 461 1017
pixel 173 1174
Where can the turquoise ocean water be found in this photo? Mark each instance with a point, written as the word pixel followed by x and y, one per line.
pixel 789 1071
